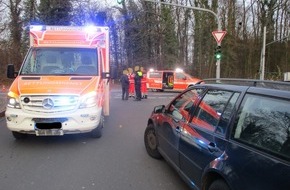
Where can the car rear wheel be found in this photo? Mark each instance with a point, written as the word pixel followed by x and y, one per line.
pixel 219 185
pixel 151 142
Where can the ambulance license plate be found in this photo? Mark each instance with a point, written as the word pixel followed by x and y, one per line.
pixel 49 132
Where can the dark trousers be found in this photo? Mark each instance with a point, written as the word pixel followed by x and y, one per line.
pixel 125 92
pixel 138 91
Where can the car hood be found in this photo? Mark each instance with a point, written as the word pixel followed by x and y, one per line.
pixel 54 84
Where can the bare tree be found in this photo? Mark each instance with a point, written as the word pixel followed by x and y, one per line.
pixel 15 8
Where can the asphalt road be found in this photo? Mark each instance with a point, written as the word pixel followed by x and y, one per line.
pixel 116 161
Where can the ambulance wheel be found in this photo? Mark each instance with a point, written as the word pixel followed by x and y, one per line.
pixel 18 135
pixel 97 132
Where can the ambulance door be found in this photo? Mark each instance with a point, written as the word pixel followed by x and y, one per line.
pixel 154 80
pixel 167 81
pixel 180 81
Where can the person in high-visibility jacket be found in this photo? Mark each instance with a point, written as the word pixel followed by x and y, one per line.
pixel 137 79
pixel 144 90
pixel 131 85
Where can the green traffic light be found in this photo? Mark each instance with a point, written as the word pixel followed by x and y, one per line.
pixel 218 52
pixel 218 56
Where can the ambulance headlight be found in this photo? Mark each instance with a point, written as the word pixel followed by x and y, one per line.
pixel 13 101
pixel 89 100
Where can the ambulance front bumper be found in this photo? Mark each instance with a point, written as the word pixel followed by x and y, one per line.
pixel 79 121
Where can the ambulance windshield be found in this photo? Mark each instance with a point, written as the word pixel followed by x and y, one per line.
pixel 61 61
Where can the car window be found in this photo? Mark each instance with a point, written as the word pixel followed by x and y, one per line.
pixel 155 75
pixel 180 76
pixel 225 117
pixel 181 106
pixel 210 109
pixel 264 122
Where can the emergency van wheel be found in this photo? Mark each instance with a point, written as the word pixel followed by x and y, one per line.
pixel 18 135
pixel 151 142
pixel 97 132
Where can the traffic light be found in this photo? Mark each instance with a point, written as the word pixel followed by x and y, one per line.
pixel 218 52
pixel 120 1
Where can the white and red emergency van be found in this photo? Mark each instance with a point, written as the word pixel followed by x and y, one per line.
pixel 62 86
pixel 175 80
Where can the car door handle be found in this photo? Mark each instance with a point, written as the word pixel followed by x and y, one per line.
pixel 212 147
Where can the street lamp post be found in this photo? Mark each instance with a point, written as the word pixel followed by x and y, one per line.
pixel 262 64
pixel 199 9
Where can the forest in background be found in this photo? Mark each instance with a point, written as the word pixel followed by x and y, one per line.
pixel 162 36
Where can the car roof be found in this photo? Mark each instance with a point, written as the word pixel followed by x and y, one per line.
pixel 266 87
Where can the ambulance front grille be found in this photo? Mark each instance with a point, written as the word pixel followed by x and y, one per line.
pixel 49 104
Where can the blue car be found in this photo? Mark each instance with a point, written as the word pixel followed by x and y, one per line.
pixel 225 136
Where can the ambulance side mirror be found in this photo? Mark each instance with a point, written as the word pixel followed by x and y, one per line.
pixel 11 72
pixel 106 75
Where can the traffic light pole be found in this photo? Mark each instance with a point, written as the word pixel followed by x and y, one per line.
pixel 199 9
pixel 218 68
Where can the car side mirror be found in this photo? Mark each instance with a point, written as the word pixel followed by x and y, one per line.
pixel 159 109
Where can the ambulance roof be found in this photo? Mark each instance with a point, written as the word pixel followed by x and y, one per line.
pixel 69 36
